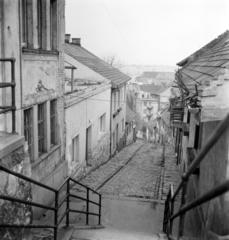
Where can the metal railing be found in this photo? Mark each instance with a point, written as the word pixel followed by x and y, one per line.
pixel 56 208
pixel 169 214
pixel 12 84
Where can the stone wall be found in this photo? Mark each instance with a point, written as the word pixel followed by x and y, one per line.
pixel 15 213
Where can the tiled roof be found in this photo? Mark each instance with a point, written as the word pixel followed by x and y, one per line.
pixel 206 64
pixel 88 59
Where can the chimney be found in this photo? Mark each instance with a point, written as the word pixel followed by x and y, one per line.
pixel 67 37
pixel 76 41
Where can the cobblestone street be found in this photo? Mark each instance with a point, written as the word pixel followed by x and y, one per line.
pixel 140 170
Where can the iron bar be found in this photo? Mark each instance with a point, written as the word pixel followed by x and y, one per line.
pixel 6 84
pixel 13 96
pixel 30 203
pixel 213 193
pixel 84 212
pixel 67 203
pixel 87 207
pixel 210 143
pixel 62 202
pixel 182 216
pixel 61 219
pixel 56 216
pixel 25 226
pixel 27 178
pixel 84 199
pixel 73 180
pixel 100 206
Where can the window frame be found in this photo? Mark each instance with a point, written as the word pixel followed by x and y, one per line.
pixel 41 128
pixel 28 131
pixel 53 123
pixel 102 123
pixel 75 140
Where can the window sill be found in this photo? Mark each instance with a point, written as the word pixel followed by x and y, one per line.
pixel 39 51
pixel 45 155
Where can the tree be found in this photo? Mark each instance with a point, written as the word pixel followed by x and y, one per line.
pixel 113 61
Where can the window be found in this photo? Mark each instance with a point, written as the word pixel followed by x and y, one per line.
pixel 53 23
pixel 27 22
pixel 41 19
pixel 53 122
pixel 102 121
pixel 75 149
pixel 41 128
pixel 28 130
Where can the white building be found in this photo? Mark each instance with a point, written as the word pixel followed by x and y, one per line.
pixel 94 112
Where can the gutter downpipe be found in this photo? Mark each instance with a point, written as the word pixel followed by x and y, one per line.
pixel 20 55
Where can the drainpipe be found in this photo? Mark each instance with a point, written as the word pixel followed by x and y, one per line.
pixel 20 56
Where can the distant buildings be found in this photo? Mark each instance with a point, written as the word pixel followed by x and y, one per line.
pixel 155 77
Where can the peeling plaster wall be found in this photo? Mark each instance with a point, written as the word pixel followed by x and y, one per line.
pixel 10 185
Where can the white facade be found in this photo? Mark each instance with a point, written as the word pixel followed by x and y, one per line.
pixel 87 118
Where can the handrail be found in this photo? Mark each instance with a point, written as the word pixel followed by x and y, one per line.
pixel 213 193
pixel 82 185
pixel 57 206
pixel 210 143
pixel 27 178
pixel 12 85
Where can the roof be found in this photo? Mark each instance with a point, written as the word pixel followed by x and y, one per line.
pixel 205 65
pixel 152 88
pixel 88 59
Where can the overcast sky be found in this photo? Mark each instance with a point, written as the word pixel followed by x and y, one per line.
pixel 152 32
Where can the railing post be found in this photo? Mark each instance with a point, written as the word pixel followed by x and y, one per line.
pixel 13 95
pixel 171 213
pixel 100 207
pixel 67 203
pixel 182 216
pixel 87 207
pixel 56 216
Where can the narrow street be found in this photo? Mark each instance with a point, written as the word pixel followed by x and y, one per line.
pixel 133 192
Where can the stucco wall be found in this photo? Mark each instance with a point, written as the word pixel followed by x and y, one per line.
pixel 79 116
pixel 214 215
